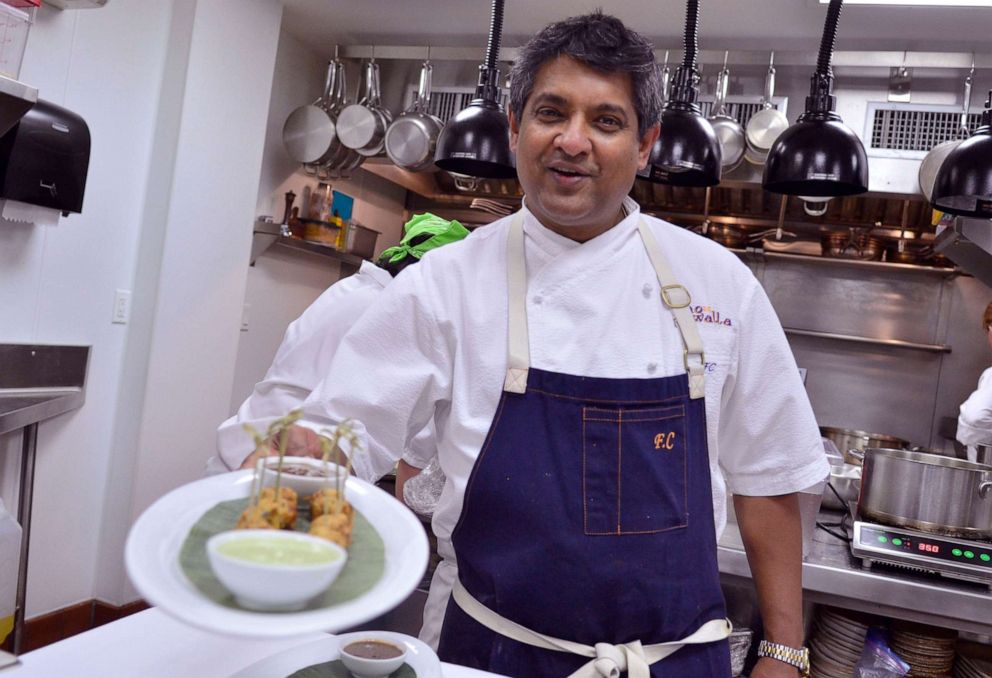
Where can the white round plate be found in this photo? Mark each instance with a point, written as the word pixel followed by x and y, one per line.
pixel 152 560
pixel 419 656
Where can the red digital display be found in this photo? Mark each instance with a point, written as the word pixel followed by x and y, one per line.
pixel 929 548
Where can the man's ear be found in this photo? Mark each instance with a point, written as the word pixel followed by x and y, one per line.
pixel 645 145
pixel 514 131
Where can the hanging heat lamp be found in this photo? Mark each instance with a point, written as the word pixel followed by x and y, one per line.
pixel 687 152
pixel 476 141
pixel 819 156
pixel 964 181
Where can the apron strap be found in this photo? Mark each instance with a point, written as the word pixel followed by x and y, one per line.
pixel 606 660
pixel 518 360
pixel 677 299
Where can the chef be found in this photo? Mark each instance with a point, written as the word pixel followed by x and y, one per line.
pixel 598 378
pixel 312 339
pixel 975 416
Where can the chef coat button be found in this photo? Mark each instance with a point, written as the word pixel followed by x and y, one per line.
pixel 652 368
pixel 537 300
pixel 647 290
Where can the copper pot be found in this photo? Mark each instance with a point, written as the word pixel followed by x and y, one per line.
pixel 848 245
pixel 728 236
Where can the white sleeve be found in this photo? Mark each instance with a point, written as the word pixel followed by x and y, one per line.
pixel 422 448
pixel 388 375
pixel 304 355
pixel 769 441
pixel 975 416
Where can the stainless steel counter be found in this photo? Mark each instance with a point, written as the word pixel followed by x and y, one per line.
pixel 37 382
pixel 20 408
pixel 831 575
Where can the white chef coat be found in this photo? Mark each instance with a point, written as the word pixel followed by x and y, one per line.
pixel 975 416
pixel 593 309
pixel 301 360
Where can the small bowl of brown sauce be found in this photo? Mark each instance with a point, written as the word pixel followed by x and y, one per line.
pixel 372 657
pixel 305 475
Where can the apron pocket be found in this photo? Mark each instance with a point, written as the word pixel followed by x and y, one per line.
pixel 633 470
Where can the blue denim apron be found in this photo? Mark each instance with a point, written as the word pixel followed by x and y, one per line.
pixel 588 517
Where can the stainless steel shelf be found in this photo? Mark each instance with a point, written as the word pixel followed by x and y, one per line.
pixel 263 237
pixel 860 263
pixel 895 343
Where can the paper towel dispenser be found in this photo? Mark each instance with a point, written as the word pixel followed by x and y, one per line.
pixel 45 157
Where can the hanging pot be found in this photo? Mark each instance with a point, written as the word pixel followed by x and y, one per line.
pixel 309 131
pixel 728 131
pixel 935 158
pixel 411 138
pixel 766 125
pixel 362 126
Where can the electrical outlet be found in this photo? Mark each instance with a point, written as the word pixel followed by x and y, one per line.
pixel 122 307
pixel 244 317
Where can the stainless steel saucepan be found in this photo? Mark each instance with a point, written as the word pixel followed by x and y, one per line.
pixel 309 131
pixel 849 439
pixel 362 126
pixel 727 129
pixel 935 158
pixel 926 492
pixel 411 138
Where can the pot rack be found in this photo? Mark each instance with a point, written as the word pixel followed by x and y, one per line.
pixel 881 59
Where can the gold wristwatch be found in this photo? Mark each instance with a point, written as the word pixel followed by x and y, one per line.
pixel 789 655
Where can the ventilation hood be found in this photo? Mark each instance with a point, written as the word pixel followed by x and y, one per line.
pixel 15 100
pixel 968 243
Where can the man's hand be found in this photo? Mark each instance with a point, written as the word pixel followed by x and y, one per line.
pixel 300 442
pixel 772 668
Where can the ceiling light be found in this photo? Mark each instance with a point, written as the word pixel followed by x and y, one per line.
pixel 819 155
pixel 687 152
pixel 964 181
pixel 476 141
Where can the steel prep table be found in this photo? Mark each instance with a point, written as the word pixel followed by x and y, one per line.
pixel 36 383
pixel 832 576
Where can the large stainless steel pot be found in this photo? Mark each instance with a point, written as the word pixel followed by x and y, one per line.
pixel 849 439
pixel 926 492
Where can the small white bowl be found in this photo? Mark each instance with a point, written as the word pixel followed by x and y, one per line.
pixel 365 667
pixel 274 586
pixel 304 485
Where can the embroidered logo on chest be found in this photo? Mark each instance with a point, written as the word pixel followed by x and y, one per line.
pixel 708 314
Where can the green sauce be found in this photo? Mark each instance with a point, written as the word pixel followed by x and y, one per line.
pixel 278 551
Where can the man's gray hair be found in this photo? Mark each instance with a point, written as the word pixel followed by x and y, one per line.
pixel 601 42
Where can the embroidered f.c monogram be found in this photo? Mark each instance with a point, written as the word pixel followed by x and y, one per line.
pixel 665 441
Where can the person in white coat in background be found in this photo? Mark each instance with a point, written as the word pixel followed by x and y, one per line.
pixel 310 342
pixel 599 379
pixel 975 416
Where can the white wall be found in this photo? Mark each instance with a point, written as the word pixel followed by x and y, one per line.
pixel 57 283
pixel 283 283
pixel 207 241
pixel 176 99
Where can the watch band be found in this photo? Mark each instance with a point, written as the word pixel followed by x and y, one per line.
pixel 789 655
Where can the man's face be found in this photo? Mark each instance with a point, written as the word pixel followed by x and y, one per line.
pixel 577 147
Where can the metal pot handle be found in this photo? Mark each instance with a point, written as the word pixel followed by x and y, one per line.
pixel 666 79
pixel 770 82
pixel 423 102
pixel 983 488
pixel 857 454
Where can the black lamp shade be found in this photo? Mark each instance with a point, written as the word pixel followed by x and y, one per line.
pixel 818 156
pixel 687 152
pixel 476 143
pixel 964 181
